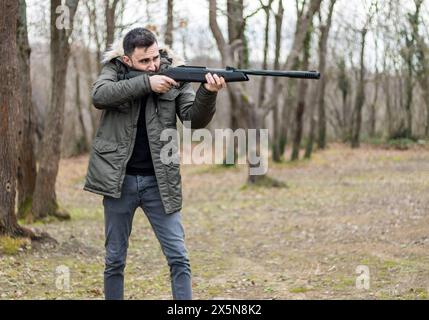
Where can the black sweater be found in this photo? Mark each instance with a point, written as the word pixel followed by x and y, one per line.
pixel 140 162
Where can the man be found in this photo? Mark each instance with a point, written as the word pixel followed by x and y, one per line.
pixel 125 164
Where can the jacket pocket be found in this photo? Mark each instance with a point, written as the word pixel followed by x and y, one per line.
pixel 104 146
pixel 105 165
pixel 167 108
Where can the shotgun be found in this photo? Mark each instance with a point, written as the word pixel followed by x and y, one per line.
pixel 230 74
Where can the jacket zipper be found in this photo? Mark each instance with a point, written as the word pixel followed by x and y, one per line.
pixel 155 101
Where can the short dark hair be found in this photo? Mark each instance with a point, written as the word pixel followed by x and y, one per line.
pixel 138 38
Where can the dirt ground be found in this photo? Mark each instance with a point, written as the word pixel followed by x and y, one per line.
pixel 342 212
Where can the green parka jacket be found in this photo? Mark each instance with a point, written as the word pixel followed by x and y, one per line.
pixel 119 98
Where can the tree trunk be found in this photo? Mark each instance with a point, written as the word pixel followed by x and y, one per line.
pixel 398 88
pixel 45 200
pixel 236 27
pixel 387 92
pixel 311 135
pixel 245 112
pixel 9 104
pixel 93 112
pixel 360 96
pixel 303 28
pixel 323 49
pixel 83 141
pixel 276 142
pixel 168 38
pixel 343 85
pixel 110 11
pixel 321 141
pixel 94 31
pixel 409 91
pixel 26 156
pixel 310 143
pixel 263 80
pixel 426 99
pixel 226 49
pixel 302 95
pixel 373 107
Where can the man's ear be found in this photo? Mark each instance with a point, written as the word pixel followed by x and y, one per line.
pixel 127 60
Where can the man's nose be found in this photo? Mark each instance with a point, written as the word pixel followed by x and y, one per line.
pixel 152 66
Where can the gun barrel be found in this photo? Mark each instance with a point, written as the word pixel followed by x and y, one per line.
pixel 288 74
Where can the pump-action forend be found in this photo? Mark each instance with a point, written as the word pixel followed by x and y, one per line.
pixel 197 74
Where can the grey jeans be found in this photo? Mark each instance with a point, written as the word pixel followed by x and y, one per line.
pixel 142 191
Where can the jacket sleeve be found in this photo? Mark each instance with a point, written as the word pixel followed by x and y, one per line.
pixel 198 108
pixel 108 93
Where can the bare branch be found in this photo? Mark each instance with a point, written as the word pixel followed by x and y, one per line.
pixel 214 26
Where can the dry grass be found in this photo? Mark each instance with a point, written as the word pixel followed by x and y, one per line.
pixel 342 209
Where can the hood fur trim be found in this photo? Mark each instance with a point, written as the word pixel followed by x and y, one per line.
pixel 117 50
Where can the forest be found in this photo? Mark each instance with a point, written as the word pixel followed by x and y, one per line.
pixel 346 184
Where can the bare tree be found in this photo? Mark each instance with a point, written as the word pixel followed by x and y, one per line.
pixel 373 105
pixel 94 29
pixel 45 200
pixel 9 104
pixel 360 92
pixel 277 141
pixel 319 94
pixel 302 96
pixel 103 25
pixel 305 16
pixel 407 44
pixel 323 48
pixel 26 132
pixel 421 53
pixel 385 76
pixel 344 86
pixel 245 112
pixel 110 12
pixel 183 24
pixel 169 27
pixel 263 81
pixel 360 95
pixel 83 143
pixel 387 93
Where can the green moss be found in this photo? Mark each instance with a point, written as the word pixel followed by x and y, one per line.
pixel 400 144
pixel 25 208
pixel 80 213
pixel 344 283
pixel 11 246
pixel 389 264
pixel 420 293
pixel 299 290
pixel 213 291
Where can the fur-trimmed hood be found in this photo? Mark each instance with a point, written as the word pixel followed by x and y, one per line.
pixel 117 50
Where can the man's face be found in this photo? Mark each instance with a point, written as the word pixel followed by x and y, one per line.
pixel 144 59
